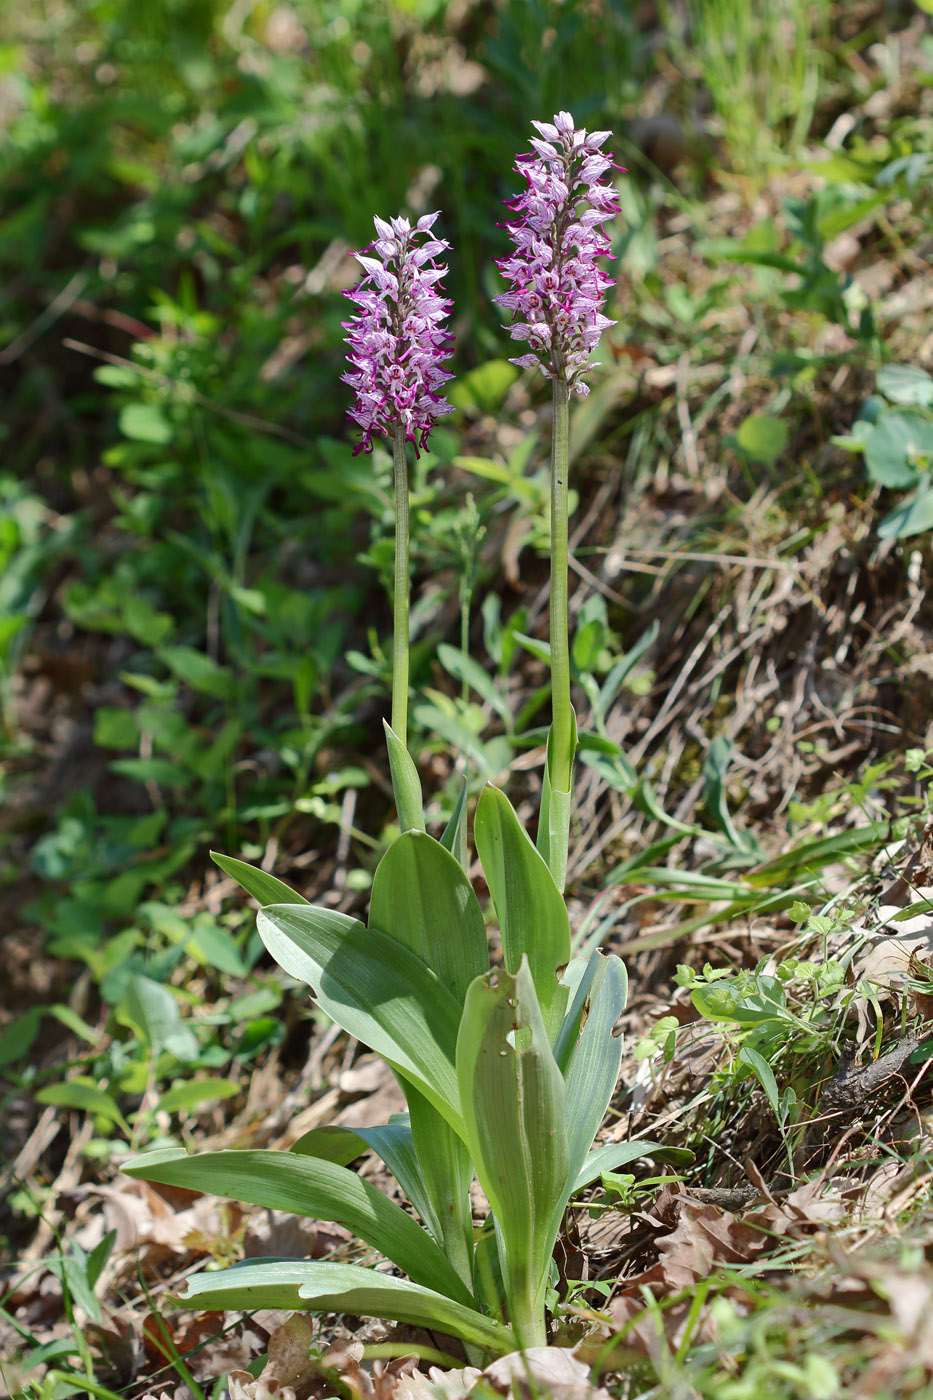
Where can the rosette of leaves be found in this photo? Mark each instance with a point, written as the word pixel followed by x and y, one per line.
pixel 894 432
pixel 507 1073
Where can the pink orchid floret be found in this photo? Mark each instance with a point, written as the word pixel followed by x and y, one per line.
pixel 398 341
pixel 557 288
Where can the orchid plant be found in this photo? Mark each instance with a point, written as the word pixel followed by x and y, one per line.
pixel 507 1070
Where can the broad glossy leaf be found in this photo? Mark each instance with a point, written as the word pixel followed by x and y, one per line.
pixel 392 1142
pixel 374 988
pixel 422 898
pixel 294 1284
pixel 265 889
pixel 405 783
pixel 310 1187
pixel 617 1154
pixel 514 1108
pixel 529 906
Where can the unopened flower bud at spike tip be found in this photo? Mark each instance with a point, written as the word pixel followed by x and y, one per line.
pixel 398 341
pixel 557 288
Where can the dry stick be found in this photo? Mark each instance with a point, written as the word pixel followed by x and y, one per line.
pixel 57 307
pixel 692 661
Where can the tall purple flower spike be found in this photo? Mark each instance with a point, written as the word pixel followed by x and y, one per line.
pixel 557 288
pixel 398 341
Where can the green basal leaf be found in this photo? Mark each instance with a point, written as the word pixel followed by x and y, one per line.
pixel 375 989
pixel 392 1142
pixel 514 1111
pixel 265 889
pixel 529 907
pixel 616 1154
pixel 594 1063
pixel 422 897
pixel 405 783
pixel 313 1188
pixel 294 1284
pixel 554 816
pixel 454 838
pixel 446 1171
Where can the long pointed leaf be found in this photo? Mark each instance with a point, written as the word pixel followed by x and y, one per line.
pixel 513 1101
pixel 294 1284
pixel 579 977
pixel 594 1064
pixel 392 1142
pixel 374 988
pixel 264 888
pixel 422 898
pixel 618 1154
pixel 310 1187
pixel 529 906
pixel 454 837
pixel 446 1171
pixel 405 783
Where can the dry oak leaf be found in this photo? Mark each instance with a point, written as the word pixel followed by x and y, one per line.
pixel 551 1371
pixel 705 1237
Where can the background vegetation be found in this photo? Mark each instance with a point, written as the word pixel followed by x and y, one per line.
pixel 194 616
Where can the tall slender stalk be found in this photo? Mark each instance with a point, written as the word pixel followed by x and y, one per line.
pixel 562 715
pixel 401 587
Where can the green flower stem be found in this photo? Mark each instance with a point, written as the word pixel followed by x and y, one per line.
pixel 400 596
pixel 562 715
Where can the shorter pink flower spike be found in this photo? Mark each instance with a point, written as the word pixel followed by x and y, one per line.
pixel 557 288
pixel 397 340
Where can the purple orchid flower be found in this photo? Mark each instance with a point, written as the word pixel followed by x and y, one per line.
pixel 398 341
pixel 557 288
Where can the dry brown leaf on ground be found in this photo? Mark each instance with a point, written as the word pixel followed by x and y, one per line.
pixel 384 1381
pixel 289 1367
pixel 209 1344
pixel 551 1371
pixel 276 1234
pixel 704 1237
